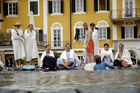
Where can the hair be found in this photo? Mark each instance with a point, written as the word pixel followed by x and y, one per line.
pixel 92 24
pixel 47 46
pixel 106 44
pixel 121 44
pixel 30 25
pixel 67 44
pixel 98 59
pixel 85 23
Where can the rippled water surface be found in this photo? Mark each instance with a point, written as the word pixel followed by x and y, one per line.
pixel 53 81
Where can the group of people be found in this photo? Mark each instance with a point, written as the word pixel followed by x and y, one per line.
pixel 24 46
pixel 106 57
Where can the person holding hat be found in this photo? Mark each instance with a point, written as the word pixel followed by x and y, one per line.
pixel 18 44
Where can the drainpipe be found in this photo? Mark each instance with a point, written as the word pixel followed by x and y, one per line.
pixel 70 26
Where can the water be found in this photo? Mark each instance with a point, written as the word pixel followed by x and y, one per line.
pixel 39 81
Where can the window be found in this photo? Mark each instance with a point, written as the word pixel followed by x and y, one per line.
pixel 56 36
pixel 101 5
pixel 128 8
pixel 56 7
pixel 103 29
pixel 129 32
pixel 79 6
pixel 10 8
pixel 39 35
pixel 102 32
pixel 34 7
pixel 78 31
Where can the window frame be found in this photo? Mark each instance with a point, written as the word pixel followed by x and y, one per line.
pixel 103 24
pixel 52 35
pixel 38 1
pixel 79 12
pixel 102 11
pixel 124 9
pixel 57 13
pixel 80 39
pixel 129 26
pixel 13 15
pixel 81 27
pixel 102 32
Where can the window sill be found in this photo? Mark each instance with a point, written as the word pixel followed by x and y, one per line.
pixel 104 39
pixel 129 39
pixel 102 12
pixel 77 13
pixel 57 47
pixel 35 15
pixel 12 16
pixel 55 14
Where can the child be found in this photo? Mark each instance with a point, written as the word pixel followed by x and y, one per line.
pixel 101 65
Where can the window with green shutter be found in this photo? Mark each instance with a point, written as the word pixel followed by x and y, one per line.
pixel 79 6
pixel 103 35
pixel 101 5
pixel 130 32
pixel 34 7
pixel 56 7
pixel 10 9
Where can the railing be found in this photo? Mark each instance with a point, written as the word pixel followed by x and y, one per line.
pixel 5 39
pixel 122 14
pixel 61 44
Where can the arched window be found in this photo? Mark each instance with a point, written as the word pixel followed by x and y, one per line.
pixel 57 36
pixel 78 31
pixel 104 30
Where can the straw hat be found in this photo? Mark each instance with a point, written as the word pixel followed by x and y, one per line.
pixel 17 24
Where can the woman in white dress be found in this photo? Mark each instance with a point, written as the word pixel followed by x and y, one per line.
pixel 18 44
pixel 31 49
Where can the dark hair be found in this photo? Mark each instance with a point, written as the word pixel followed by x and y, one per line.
pixel 30 25
pixel 92 24
pixel 98 59
pixel 106 44
pixel 47 46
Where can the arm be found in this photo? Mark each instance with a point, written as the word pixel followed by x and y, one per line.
pixel 15 36
pixel 95 68
pixel 34 35
pixel 107 65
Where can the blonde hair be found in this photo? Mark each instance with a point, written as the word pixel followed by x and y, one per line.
pixel 121 44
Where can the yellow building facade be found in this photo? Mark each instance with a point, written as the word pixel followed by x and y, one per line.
pixel 117 21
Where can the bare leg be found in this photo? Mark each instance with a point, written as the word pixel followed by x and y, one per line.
pixel 16 64
pixel 70 63
pixel 88 57
pixel 33 62
pixel 19 63
pixel 92 57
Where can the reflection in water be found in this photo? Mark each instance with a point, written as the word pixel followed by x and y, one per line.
pixel 53 81
pixel 5 79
